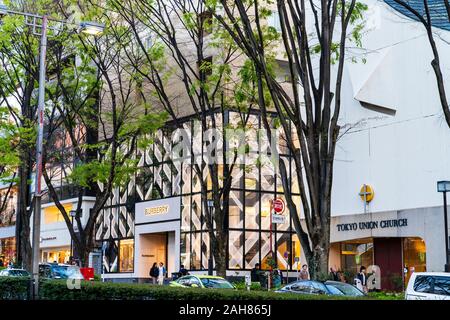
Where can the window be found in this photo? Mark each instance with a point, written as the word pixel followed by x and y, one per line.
pixel 424 284
pixel 126 255
pixel 53 215
pixel 194 281
pixel 274 21
pixel 442 286
pixel 303 286
pixel 205 22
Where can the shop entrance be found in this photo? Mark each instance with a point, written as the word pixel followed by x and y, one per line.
pixel 388 256
pixel 153 249
pixel 397 258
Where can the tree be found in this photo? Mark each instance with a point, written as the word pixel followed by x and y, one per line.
pixel 313 35
pixel 18 81
pixel 95 105
pixel 191 52
pixel 421 10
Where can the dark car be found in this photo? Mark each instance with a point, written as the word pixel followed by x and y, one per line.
pixel 59 271
pixel 14 273
pixel 319 288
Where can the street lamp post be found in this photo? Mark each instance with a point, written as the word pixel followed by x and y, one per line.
pixel 41 22
pixel 210 257
pixel 73 213
pixel 444 187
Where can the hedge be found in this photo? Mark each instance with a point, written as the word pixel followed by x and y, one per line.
pixel 14 288
pixel 58 290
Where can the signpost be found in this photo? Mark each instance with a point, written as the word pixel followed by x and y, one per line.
pixel 277 207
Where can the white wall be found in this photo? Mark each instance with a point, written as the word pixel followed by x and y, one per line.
pixel 58 230
pixel 401 156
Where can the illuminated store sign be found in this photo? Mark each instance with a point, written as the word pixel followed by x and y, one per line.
pixel 369 225
pixel 157 210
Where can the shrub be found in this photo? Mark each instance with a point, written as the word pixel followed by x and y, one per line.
pixel 387 295
pixel 242 286
pixel 57 290
pixel 14 288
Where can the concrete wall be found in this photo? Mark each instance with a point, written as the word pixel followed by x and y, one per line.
pixel 401 156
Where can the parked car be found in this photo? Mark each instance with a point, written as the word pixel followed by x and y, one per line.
pixel 345 289
pixel 202 281
pixel 319 288
pixel 59 271
pixel 14 273
pixel 428 286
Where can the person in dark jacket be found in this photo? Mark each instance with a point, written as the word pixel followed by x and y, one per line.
pixel 183 271
pixel 363 278
pixel 334 275
pixel 154 272
pixel 255 273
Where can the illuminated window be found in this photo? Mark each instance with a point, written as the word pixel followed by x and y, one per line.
pixel 126 257
pixel 52 214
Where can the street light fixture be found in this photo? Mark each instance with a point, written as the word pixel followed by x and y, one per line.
pixel 444 187
pixel 40 23
pixel 92 28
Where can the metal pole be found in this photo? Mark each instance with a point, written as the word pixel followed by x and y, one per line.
pixel 37 192
pixel 210 259
pixel 71 245
pixel 447 262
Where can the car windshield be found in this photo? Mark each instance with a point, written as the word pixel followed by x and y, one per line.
pixel 346 289
pixel 18 273
pixel 216 283
pixel 334 291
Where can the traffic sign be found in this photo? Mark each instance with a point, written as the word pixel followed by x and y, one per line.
pixel 278 205
pixel 278 219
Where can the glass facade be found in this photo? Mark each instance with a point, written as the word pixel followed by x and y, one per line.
pixel 7 250
pixel 254 184
pixel 8 212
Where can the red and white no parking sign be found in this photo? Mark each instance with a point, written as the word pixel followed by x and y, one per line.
pixel 278 205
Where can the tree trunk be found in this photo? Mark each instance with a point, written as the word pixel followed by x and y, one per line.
pixel 318 259
pixel 23 245
pixel 220 254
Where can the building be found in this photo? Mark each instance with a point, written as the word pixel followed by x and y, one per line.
pixel 395 149
pixel 8 198
pixel 397 144
pixel 159 216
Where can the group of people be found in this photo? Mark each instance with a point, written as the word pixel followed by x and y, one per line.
pixel 360 280
pixel 10 264
pixel 158 273
pixel 258 275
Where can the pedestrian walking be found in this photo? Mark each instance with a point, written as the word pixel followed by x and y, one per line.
pixel 154 272
pixel 304 274
pixel 161 273
pixel 361 276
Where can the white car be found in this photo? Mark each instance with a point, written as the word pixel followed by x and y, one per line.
pixel 428 286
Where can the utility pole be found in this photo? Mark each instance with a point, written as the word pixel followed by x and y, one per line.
pixel 40 137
